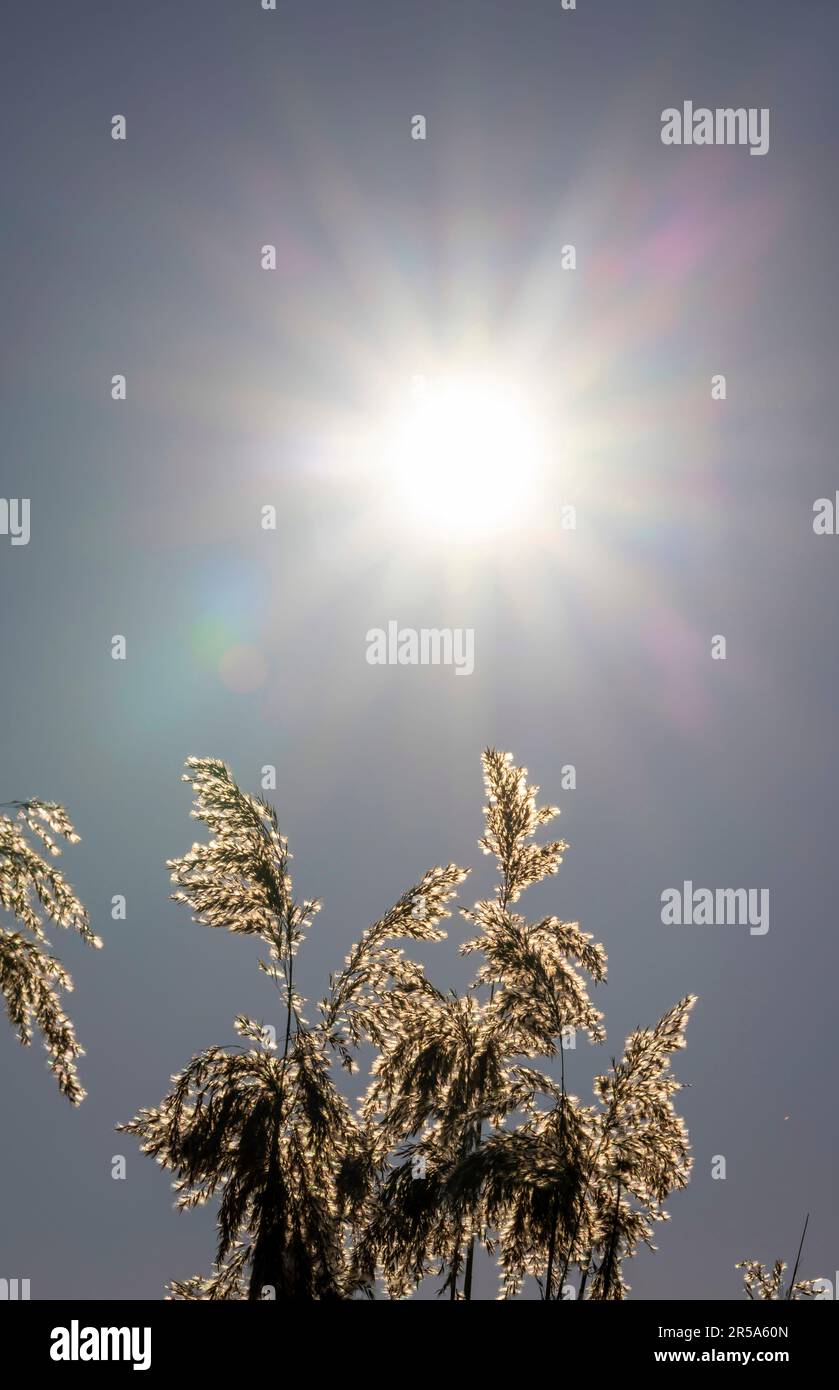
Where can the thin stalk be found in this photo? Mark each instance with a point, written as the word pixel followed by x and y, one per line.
pixel 551 1248
pixel 503 900
pixel 586 1268
pixel 575 1232
pixel 609 1255
pixel 467 1278
pixel 555 1203
pixel 798 1258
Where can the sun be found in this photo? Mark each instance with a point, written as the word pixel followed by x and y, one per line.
pixel 462 456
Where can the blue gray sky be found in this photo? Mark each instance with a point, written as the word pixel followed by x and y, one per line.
pixel 248 388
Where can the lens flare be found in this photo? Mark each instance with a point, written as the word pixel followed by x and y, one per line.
pixel 463 457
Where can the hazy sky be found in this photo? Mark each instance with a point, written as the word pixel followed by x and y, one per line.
pixel 249 388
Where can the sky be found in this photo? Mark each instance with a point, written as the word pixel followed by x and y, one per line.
pixel 248 388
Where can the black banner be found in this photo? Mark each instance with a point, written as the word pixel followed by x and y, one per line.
pixel 58 1339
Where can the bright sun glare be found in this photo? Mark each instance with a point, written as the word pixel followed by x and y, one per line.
pixel 463 456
